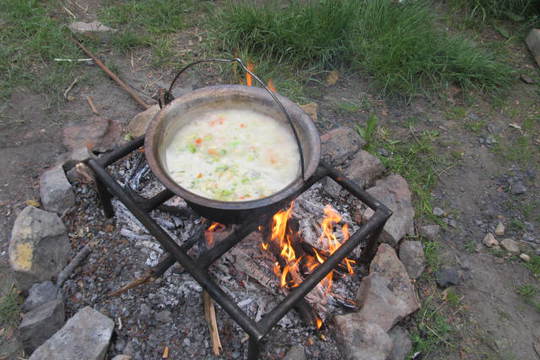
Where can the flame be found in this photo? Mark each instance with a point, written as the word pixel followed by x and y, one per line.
pixel 271 86
pixel 318 323
pixel 209 233
pixel 249 79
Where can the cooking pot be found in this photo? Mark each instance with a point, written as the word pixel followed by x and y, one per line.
pixel 181 111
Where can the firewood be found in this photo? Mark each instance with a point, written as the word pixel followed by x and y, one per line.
pixel 210 316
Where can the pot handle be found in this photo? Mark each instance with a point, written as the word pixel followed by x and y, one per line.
pixel 165 97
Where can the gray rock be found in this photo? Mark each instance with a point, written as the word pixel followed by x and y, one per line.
pixel 430 232
pixel 85 336
pixel 393 191
pixel 437 211
pixel 525 257
pixel 55 190
pixel 533 42
pixel 527 79
pixel 490 241
pixel 364 169
pixel 402 344
pixel 387 295
pixel 518 188
pixel 122 357
pixel 296 352
pixel 331 187
pixel 76 156
pixel 137 126
pixel 447 277
pixel 339 144
pixel 79 27
pixel 411 254
pixel 40 294
pixel 41 323
pixel 510 246
pixel 38 248
pixel 361 340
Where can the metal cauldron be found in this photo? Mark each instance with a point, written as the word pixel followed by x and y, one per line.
pixel 184 109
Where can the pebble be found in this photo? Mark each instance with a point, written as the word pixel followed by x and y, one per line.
pixel 525 257
pixel 447 277
pixel 437 211
pixel 518 188
pixel 490 241
pixel 499 230
pixel 510 246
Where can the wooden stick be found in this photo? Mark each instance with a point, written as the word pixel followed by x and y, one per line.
pixel 143 280
pixel 66 93
pixel 210 316
pixel 92 106
pixel 64 274
pixel 122 84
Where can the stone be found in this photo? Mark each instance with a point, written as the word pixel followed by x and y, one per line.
pixel 41 323
pixel 364 169
pixel 402 343
pixel 429 232
pixel 40 294
pixel 411 254
pixel 518 188
pixel 361 340
pixel 387 295
pixel 533 42
pixel 79 27
pixel 55 190
pixel 331 187
pixel 296 352
pixel 510 246
pixel 97 134
pixel 138 124
pixel 437 211
pixel 490 241
pixel 85 336
pixel 525 257
pixel 311 109
pixel 447 277
pixel 393 191
pixel 76 156
pixel 122 357
pixel 499 230
pixel 339 144
pixel 38 248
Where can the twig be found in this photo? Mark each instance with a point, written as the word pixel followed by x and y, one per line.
pixel 143 280
pixel 66 93
pixel 72 60
pixel 210 315
pixel 122 84
pixel 64 274
pixel 69 12
pixel 92 106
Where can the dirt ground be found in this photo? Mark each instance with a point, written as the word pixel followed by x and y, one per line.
pixel 492 320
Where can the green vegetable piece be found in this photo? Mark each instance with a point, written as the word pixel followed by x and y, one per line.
pixel 192 148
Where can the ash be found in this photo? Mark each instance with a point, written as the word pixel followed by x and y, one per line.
pixel 169 311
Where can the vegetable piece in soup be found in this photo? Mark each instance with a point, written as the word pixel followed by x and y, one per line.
pixel 233 155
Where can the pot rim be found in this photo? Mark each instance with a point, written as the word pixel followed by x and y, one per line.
pixel 296 114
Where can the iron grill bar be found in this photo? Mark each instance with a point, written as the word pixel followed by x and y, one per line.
pixel 187 262
pixel 117 154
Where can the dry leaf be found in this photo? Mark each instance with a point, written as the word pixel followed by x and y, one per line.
pixel 165 353
pixel 515 126
pixel 332 78
pixel 311 109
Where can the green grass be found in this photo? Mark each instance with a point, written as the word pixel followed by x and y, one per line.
pixel 399 44
pixel 516 10
pixel 30 40
pixel 9 308
pixel 433 331
pixel 529 294
pixel 534 265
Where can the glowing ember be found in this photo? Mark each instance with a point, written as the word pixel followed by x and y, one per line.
pixel 318 323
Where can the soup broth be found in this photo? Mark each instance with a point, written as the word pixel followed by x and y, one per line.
pixel 233 155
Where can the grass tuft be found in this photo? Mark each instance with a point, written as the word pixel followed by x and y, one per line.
pixel 399 44
pixel 9 308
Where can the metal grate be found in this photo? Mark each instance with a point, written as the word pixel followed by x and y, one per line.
pixel 368 233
